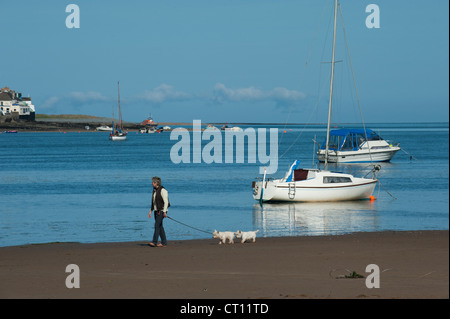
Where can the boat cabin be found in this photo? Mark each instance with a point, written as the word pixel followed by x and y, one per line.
pixel 349 139
pixel 304 174
pixel 301 175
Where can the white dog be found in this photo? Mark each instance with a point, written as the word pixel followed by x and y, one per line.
pixel 223 236
pixel 246 235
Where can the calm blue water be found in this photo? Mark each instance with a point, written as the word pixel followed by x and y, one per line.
pixel 81 187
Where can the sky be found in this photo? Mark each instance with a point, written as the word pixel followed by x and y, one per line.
pixel 229 61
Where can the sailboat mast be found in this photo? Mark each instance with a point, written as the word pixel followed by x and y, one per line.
pixel 120 113
pixel 331 85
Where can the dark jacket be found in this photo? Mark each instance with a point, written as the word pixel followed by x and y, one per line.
pixel 159 201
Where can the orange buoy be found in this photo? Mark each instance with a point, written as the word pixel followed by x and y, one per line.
pixel 372 198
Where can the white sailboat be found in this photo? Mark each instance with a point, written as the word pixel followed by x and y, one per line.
pixel 117 133
pixel 315 185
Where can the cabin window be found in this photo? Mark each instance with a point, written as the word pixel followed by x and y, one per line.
pixel 335 141
pixel 347 144
pixel 336 179
pixel 358 140
pixel 300 175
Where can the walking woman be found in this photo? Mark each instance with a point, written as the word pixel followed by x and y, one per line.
pixel 160 204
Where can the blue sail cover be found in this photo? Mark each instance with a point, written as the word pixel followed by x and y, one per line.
pixel 349 138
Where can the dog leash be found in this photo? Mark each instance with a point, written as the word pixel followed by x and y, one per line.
pixel 207 232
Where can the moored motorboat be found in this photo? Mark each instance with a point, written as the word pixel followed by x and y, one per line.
pixel 357 146
pixel 149 122
pixel 231 128
pixel 104 128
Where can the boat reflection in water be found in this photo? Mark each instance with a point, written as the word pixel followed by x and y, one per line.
pixel 313 219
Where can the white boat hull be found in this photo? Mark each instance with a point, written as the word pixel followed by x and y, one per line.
pixel 118 138
pixel 104 129
pixel 147 131
pixel 359 156
pixel 314 190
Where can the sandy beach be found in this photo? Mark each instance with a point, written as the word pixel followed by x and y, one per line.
pixel 413 264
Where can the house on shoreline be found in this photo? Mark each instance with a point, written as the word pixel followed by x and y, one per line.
pixel 14 106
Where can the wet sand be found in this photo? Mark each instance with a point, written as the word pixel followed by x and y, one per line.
pixel 413 264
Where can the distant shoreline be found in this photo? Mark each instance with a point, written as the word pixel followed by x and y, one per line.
pixel 76 123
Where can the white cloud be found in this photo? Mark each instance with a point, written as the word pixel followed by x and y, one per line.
pixel 251 94
pixel 283 94
pixel 164 93
pixel 76 98
pixel 50 102
pixel 221 94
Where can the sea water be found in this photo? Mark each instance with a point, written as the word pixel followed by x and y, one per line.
pixel 82 187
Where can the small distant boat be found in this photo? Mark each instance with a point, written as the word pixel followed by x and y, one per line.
pixel 150 126
pixel 211 127
pixel 148 130
pixel 231 128
pixel 10 132
pixel 104 128
pixel 118 136
pixel 117 133
pixel 151 129
pixel 357 146
pixel 149 122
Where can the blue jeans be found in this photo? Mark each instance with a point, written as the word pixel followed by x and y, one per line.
pixel 159 229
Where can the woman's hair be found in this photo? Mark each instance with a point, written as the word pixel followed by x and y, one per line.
pixel 157 180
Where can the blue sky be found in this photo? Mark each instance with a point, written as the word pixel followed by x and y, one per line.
pixel 228 61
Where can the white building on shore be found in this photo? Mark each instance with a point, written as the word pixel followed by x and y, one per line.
pixel 13 104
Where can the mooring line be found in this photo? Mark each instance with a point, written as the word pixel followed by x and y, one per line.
pixel 386 190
